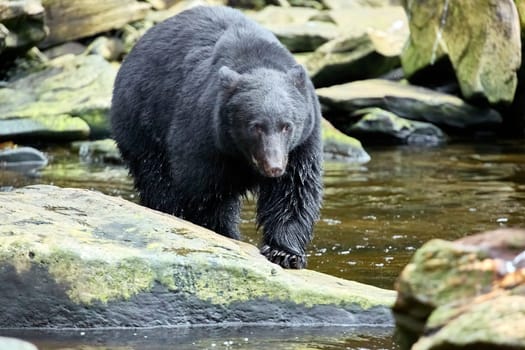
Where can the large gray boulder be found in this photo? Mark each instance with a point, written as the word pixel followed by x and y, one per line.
pixel 69 20
pixel 76 258
pixel 379 126
pixel 298 28
pixel 21 27
pixel 466 294
pixel 481 38
pixel 69 99
pixel 407 101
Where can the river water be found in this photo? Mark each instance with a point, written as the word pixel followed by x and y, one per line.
pixel 373 219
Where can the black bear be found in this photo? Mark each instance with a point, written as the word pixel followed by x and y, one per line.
pixel 209 105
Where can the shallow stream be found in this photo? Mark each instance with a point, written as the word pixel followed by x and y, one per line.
pixel 374 217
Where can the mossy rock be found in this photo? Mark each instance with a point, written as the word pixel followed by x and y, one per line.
pixel 68 99
pixel 466 294
pixel 369 46
pixel 480 38
pixel 337 145
pixel 21 27
pixel 376 125
pixel 407 101
pixel 496 323
pixel 69 20
pixel 77 258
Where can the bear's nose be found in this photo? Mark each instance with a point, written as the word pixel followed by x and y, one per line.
pixel 276 171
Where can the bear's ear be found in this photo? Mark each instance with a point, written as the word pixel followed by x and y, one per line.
pixel 228 78
pixel 297 75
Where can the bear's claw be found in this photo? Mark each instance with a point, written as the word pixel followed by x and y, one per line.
pixel 283 258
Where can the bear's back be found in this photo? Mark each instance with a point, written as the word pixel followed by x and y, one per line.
pixel 173 69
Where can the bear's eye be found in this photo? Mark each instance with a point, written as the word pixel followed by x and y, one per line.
pixel 258 128
pixel 286 128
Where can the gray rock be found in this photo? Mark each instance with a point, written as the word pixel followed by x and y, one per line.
pixel 481 39
pixel 69 20
pixel 112 49
pixel 337 145
pixel 15 344
pixel 411 102
pixel 69 99
pixel 22 159
pixel 277 15
pixel 297 27
pixel 370 44
pixel 351 4
pixel 76 258
pixel 379 126
pixel 466 294
pixel 162 4
pixel 305 37
pixel 21 27
pixel 359 61
pixel 71 47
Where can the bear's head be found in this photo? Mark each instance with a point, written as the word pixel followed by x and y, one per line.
pixel 267 114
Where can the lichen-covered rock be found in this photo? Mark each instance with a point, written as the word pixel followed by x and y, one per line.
pixel 337 145
pixel 21 27
pixel 494 323
pixel 379 126
pixel 349 4
pixel 69 20
pixel 69 99
pixel 162 4
pixel 466 294
pixel 480 38
pixel 370 43
pixel 112 49
pixel 76 258
pixel 407 101
pixel 297 27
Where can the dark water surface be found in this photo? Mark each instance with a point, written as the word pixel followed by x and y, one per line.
pixel 374 217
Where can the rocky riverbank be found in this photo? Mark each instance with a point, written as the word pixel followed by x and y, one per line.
pixel 396 72
pixel 78 258
pixel 465 294
pixel 58 77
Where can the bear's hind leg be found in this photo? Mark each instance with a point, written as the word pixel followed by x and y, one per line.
pixel 217 213
pixel 153 182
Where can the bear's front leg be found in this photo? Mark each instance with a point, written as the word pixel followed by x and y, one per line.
pixel 288 207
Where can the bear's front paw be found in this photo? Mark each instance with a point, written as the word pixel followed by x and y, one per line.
pixel 284 258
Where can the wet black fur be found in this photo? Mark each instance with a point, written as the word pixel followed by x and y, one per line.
pixel 186 145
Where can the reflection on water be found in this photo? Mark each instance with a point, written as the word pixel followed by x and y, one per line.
pixel 374 216
pixel 246 338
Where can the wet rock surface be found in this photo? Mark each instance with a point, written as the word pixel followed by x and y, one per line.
pixel 68 99
pixel 407 101
pixel 480 38
pixel 379 126
pixel 21 27
pixel 76 258
pixel 23 159
pixel 337 145
pixel 69 20
pixel 466 294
